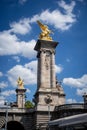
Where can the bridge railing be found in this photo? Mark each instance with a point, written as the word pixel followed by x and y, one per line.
pixel 70 106
pixel 16 110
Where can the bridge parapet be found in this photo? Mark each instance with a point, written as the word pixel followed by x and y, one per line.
pixel 70 106
pixel 17 110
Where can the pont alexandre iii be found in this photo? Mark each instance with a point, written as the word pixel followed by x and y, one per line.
pixel 50 111
pixel 49 93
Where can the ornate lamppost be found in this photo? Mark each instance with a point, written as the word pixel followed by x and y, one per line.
pixel 6 120
pixel 48 100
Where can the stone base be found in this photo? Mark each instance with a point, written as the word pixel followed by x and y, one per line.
pixel 41 96
pixel 44 108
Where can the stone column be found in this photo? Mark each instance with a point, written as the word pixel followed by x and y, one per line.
pixel 46 74
pixel 21 98
pixel 38 71
pixel 42 78
pixel 53 76
pixel 48 69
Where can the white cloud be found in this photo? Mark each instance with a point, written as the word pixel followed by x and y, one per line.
pixel 32 65
pixel 27 49
pixel 1 74
pixel 2 98
pixel 3 84
pixel 26 72
pixel 22 1
pixel 68 8
pixel 62 20
pixel 58 68
pixel 28 90
pixel 80 92
pixel 16 58
pixel 10 45
pixel 22 27
pixel 58 19
pixel 68 60
pixel 8 92
pixel 69 101
pixel 78 82
pixel 2 101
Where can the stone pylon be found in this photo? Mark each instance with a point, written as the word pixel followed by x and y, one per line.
pixel 46 76
pixel 20 94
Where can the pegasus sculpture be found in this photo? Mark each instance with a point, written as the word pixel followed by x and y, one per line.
pixel 45 34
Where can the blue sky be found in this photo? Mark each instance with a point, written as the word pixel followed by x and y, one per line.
pixel 19 33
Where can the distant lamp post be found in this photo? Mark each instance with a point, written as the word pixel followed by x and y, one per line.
pixel 85 99
pixel 48 100
pixel 6 119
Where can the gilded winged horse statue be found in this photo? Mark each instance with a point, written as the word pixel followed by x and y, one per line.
pixel 44 35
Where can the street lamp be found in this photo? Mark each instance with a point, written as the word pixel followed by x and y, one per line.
pixel 6 119
pixel 48 100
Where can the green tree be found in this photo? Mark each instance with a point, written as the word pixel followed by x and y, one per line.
pixel 29 104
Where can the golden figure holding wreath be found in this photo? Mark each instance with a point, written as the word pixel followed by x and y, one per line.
pixel 20 83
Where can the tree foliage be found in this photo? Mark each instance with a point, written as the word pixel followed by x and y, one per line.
pixel 29 104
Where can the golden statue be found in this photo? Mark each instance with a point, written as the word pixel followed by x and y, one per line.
pixel 44 35
pixel 20 83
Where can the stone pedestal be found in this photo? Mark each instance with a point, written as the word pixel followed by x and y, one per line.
pixel 46 77
pixel 20 97
pixel 47 86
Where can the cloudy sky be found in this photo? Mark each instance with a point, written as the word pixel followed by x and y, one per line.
pixel 19 33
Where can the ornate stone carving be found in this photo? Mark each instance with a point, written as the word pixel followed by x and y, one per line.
pixel 48 99
pixel 47 61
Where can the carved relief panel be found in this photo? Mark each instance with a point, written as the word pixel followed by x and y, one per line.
pixel 47 60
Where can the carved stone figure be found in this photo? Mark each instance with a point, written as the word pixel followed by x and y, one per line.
pixel 48 99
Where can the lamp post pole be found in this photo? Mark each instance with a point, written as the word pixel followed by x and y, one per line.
pixel 49 111
pixel 6 119
pixel 48 100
